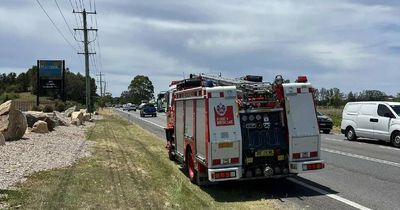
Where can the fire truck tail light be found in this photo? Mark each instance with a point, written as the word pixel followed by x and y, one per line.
pixel 296 155
pixel 223 175
pixel 314 154
pixel 314 166
pixel 235 160
pixel 216 162
pixel 221 94
pixel 298 90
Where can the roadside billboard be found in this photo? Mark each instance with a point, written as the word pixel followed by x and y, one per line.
pixel 50 76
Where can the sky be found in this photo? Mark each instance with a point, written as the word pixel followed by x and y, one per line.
pixel 353 45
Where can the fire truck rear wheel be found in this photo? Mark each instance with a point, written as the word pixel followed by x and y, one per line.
pixel 171 156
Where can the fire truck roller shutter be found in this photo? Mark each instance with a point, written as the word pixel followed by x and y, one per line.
pixel 200 129
pixel 179 128
pixel 302 123
pixel 225 133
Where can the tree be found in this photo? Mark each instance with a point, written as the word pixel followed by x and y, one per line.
pixel 372 95
pixel 141 88
pixel 351 97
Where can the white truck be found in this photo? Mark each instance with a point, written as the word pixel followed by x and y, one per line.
pixel 230 129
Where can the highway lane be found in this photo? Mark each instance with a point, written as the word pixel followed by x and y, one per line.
pixel 364 172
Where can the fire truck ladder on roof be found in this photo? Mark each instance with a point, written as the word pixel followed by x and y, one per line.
pixel 241 84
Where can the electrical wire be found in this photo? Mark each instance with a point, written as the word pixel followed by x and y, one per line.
pixel 66 22
pixel 55 26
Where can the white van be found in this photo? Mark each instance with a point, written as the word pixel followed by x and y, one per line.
pixel 372 119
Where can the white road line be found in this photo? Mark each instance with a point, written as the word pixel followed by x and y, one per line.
pixel 148 121
pixel 391 148
pixel 362 157
pixel 331 139
pixel 323 192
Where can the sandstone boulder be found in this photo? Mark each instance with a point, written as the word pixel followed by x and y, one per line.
pixel 77 118
pixel 76 122
pixel 40 127
pixel 2 140
pixel 68 112
pixel 13 124
pixel 60 119
pixel 32 117
pixel 86 117
pixel 51 124
pixel 5 107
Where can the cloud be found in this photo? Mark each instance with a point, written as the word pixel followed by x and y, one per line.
pixel 340 43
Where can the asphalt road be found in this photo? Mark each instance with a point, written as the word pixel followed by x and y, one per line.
pixel 363 174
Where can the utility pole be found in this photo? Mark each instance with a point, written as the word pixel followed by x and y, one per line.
pixel 101 84
pixel 105 85
pixel 86 53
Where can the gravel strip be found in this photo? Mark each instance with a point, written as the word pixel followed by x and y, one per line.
pixel 39 152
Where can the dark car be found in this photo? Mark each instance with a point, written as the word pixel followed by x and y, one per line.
pixel 147 109
pixel 325 123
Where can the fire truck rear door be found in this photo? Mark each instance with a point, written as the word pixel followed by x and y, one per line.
pixel 304 137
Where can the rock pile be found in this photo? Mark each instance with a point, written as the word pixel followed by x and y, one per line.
pixel 14 123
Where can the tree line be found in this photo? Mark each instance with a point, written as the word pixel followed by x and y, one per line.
pixel 335 98
pixel 27 82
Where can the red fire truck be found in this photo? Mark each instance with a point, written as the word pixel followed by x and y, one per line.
pixel 229 129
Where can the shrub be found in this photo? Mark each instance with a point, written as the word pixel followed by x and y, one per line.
pixel 37 108
pixel 48 108
pixel 60 106
pixel 8 96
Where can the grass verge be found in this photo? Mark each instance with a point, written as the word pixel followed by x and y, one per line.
pixel 129 169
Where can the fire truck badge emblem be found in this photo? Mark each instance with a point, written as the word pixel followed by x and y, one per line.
pixel 220 109
pixel 223 115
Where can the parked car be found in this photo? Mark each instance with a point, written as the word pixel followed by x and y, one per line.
pixel 325 123
pixel 376 120
pixel 147 109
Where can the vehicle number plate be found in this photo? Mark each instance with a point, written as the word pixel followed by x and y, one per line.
pixel 225 145
pixel 264 153
pixel 322 124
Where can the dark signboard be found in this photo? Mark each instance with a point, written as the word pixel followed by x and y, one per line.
pixel 51 74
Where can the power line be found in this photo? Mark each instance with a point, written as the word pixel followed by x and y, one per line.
pixel 76 19
pixel 55 26
pixel 66 22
